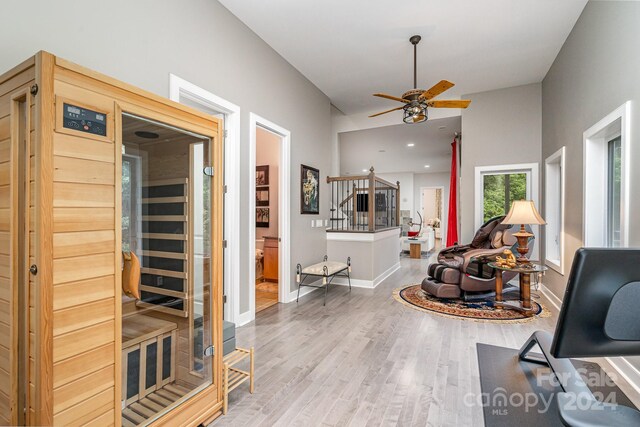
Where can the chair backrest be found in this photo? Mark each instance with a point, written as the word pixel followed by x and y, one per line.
pixel 600 315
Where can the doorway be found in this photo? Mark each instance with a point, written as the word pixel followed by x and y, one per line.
pixel 268 147
pixel 269 213
pixel 432 209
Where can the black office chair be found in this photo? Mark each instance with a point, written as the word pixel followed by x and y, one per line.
pixel 599 317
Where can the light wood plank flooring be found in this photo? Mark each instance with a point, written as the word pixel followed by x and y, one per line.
pixel 366 360
pixel 266 295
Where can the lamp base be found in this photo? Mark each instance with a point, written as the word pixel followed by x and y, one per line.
pixel 523 244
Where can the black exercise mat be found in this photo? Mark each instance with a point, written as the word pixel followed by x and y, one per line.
pixel 516 393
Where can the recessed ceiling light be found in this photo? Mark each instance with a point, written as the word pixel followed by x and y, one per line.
pixel 411 144
pixel 442 127
pixel 382 151
pixel 426 166
pixel 364 170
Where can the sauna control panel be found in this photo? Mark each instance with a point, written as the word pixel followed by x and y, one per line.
pixel 84 120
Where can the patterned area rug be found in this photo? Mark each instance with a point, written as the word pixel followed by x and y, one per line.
pixel 480 311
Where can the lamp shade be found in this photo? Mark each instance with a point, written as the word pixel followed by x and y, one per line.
pixel 523 212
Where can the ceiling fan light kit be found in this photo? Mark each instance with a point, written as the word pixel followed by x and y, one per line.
pixel 417 101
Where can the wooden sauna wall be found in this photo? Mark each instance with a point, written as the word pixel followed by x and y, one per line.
pixel 85 270
pixel 14 84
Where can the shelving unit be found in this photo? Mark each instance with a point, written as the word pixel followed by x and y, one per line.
pixel 233 376
pixel 165 255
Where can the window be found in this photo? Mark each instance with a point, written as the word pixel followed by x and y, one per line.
pixel 500 190
pixel 614 184
pixel 554 210
pixel 606 180
pixel 131 218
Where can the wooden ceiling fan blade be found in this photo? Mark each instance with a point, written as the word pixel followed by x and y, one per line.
pixel 385 112
pixel 437 89
pixel 391 97
pixel 457 103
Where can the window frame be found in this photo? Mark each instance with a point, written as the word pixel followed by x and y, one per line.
pixel 557 158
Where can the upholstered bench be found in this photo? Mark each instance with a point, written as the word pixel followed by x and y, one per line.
pixel 326 269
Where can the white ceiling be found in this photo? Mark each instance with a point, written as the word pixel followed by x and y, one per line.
pixel 351 49
pixel 432 146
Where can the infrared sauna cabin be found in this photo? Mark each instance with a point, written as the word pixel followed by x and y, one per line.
pixel 92 169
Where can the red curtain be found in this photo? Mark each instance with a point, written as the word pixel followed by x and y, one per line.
pixel 452 219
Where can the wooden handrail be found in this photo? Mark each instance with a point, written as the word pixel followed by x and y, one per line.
pixel 390 184
pixel 346 178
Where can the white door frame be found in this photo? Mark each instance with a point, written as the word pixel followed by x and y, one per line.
pixel 533 192
pixel 284 211
pixel 181 90
pixel 443 223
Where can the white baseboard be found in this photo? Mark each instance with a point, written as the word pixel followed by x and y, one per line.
pixel 244 318
pixel 369 284
pixel 303 291
pixel 627 371
pixel 553 299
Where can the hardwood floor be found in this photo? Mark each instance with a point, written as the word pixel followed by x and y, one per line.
pixel 266 295
pixel 366 360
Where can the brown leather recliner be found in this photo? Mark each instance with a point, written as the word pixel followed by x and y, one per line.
pixel 463 269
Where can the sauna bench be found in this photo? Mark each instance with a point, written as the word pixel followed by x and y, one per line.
pixel 139 328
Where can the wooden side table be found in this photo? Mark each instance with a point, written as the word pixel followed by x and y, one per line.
pixel 233 376
pixel 525 271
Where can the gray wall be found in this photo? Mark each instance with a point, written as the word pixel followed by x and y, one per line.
pixel 142 41
pixel 433 180
pixel 596 71
pixel 500 127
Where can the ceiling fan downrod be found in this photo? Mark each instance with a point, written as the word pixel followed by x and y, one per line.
pixel 414 41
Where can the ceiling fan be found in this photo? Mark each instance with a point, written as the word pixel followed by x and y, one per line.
pixel 416 101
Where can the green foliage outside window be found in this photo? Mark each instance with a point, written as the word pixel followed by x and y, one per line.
pixel 500 191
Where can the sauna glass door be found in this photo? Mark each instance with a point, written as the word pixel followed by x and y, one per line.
pixel 166 224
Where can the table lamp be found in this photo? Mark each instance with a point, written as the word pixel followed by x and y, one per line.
pixel 523 212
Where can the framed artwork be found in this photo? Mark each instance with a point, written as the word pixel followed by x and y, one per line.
pixel 262 217
pixel 309 190
pixel 262 175
pixel 262 196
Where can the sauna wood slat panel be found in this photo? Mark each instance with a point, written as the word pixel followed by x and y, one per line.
pixel 5 222
pixel 83 219
pixel 4 358
pixel 68 169
pixel 5 170
pixel 5 127
pixel 105 420
pixel 83 388
pixel 82 148
pixel 75 293
pixel 4 335
pixel 77 342
pixel 83 243
pixel 81 316
pixel 5 289
pixel 84 267
pixel 4 312
pixel 5 149
pixel 5 196
pixel 83 364
pixel 85 411
pixel 74 195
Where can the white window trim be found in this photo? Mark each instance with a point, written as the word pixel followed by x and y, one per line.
pixel 284 213
pixel 533 192
pixel 557 157
pixel 179 90
pixel 594 176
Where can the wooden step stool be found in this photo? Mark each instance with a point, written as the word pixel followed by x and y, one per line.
pixel 233 377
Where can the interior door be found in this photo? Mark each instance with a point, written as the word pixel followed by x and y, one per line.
pixel 167 222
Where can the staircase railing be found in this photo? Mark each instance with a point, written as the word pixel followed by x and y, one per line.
pixel 363 203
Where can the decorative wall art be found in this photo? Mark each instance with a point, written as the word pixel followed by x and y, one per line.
pixel 309 190
pixel 262 175
pixel 262 196
pixel 262 217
